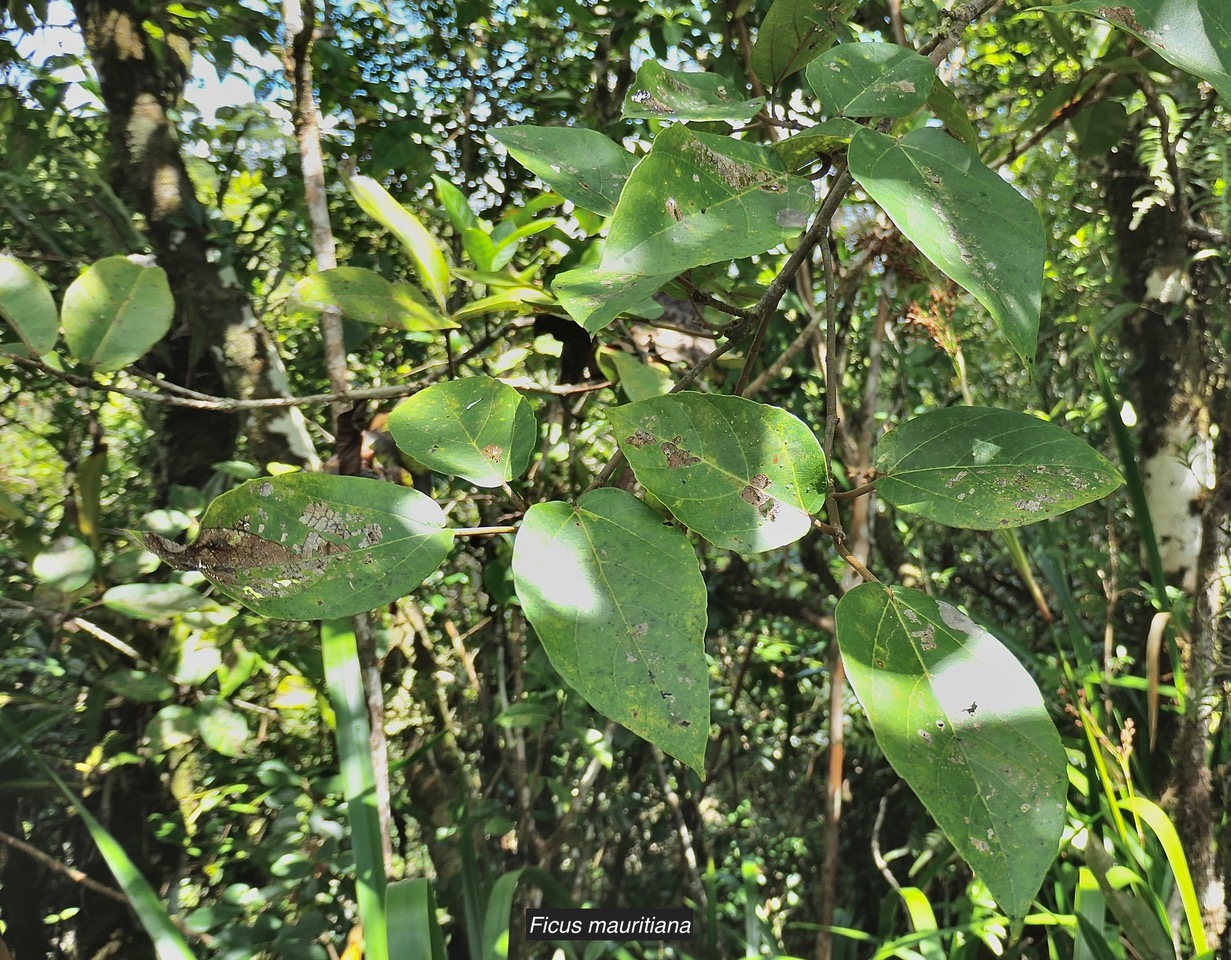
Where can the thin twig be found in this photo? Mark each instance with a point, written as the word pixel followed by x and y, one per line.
pixel 51 863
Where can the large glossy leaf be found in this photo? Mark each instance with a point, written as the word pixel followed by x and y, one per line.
pixel 366 296
pixel 26 303
pixel 793 34
pixel 983 468
pixel 664 94
pixel 871 80
pixel 581 165
pixel 303 546
pixel 744 475
pixel 476 428
pixel 695 199
pixel 970 223
pixel 619 603
pixel 428 258
pixel 116 311
pixel 964 725
pixel 1194 35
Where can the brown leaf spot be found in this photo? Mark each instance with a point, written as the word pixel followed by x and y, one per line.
pixel 640 438
pixel 493 452
pixel 676 455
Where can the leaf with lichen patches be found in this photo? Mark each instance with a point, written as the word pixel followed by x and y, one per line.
pixel 981 468
pixel 663 94
pixel 304 546
pixel 696 199
pixel 746 476
pixel 619 603
pixel 793 34
pixel 962 722
pixel 973 225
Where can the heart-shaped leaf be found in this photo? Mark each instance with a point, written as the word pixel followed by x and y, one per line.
pixel 696 199
pixel 963 724
pixel 424 251
pixel 116 311
pixel 1195 36
pixel 303 546
pixel 619 603
pixel 581 165
pixel 366 296
pixel 744 475
pixel 26 303
pixel 871 80
pixel 983 468
pixel 476 428
pixel 793 34
pixel 975 227
pixel 663 94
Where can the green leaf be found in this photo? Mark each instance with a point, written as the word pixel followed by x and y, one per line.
pixel 663 94
pixel 457 207
pixel 696 199
pixel 428 258
pixel 640 380
pixel 507 300
pixel 952 113
pixel 793 34
pixel 26 303
pixel 964 725
pixel 479 247
pixel 1194 35
pixel 305 545
pixel 340 654
pixel 871 80
pixel 172 726
pixel 1165 830
pixel 139 685
pixel 532 715
pixel 618 601
pixel 368 297
pixel 116 311
pixel 222 729
pixel 744 475
pixel 829 137
pixel 476 428
pixel 499 915
pixel 983 468
pixel 66 565
pixel 414 931
pixel 581 165
pixel 970 223
pixel 155 601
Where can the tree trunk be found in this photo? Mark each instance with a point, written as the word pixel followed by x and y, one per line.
pixel 1171 376
pixel 216 345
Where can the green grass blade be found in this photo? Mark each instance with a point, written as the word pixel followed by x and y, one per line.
pixel 341 657
pixel 1090 908
pixel 1164 829
pixel 410 908
pixel 496 917
pixel 169 943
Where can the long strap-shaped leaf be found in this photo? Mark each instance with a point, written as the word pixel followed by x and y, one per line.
pixel 168 942
pixel 341 657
